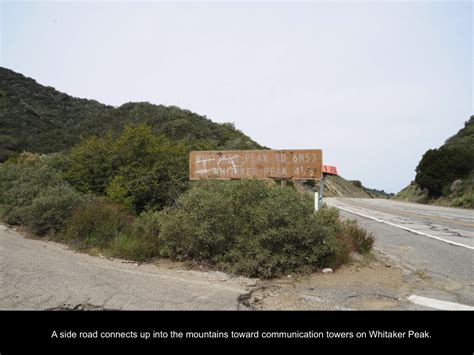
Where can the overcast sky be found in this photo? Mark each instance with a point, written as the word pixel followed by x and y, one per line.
pixel 373 84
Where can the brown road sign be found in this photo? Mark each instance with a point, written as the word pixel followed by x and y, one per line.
pixel 260 164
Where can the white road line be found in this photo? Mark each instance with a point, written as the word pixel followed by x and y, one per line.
pixel 405 228
pixel 438 304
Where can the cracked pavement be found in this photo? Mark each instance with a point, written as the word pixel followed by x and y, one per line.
pixel 448 267
pixel 39 275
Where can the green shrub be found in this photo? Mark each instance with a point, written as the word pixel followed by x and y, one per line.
pixel 50 208
pixel 91 164
pixel 251 227
pixel 97 224
pixel 438 168
pixel 142 241
pixel 125 246
pixel 361 240
pixel 108 226
pixel 467 199
pixel 137 169
pixel 21 181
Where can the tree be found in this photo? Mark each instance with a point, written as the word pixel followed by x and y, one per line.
pixel 138 169
pixel 440 167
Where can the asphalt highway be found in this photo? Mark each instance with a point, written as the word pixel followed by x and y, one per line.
pixel 436 242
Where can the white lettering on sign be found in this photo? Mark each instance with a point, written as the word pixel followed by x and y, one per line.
pixel 261 164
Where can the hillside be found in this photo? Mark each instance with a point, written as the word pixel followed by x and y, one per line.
pixel 445 176
pixel 337 186
pixel 41 119
pixel 116 182
pixel 465 136
pixel 38 118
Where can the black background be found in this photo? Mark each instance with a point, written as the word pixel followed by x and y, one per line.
pixel 30 331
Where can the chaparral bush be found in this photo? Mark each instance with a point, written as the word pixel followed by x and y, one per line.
pixel 33 194
pixel 50 209
pixel 97 224
pixel 254 228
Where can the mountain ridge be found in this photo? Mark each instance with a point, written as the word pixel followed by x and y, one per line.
pixel 41 119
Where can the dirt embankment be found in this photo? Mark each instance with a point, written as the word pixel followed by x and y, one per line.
pixel 336 186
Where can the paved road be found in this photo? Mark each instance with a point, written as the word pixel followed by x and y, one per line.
pixel 436 242
pixel 42 275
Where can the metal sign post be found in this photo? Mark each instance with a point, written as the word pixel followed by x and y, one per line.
pixel 318 196
pixel 321 192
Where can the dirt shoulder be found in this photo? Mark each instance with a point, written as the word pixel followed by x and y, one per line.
pixel 369 283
